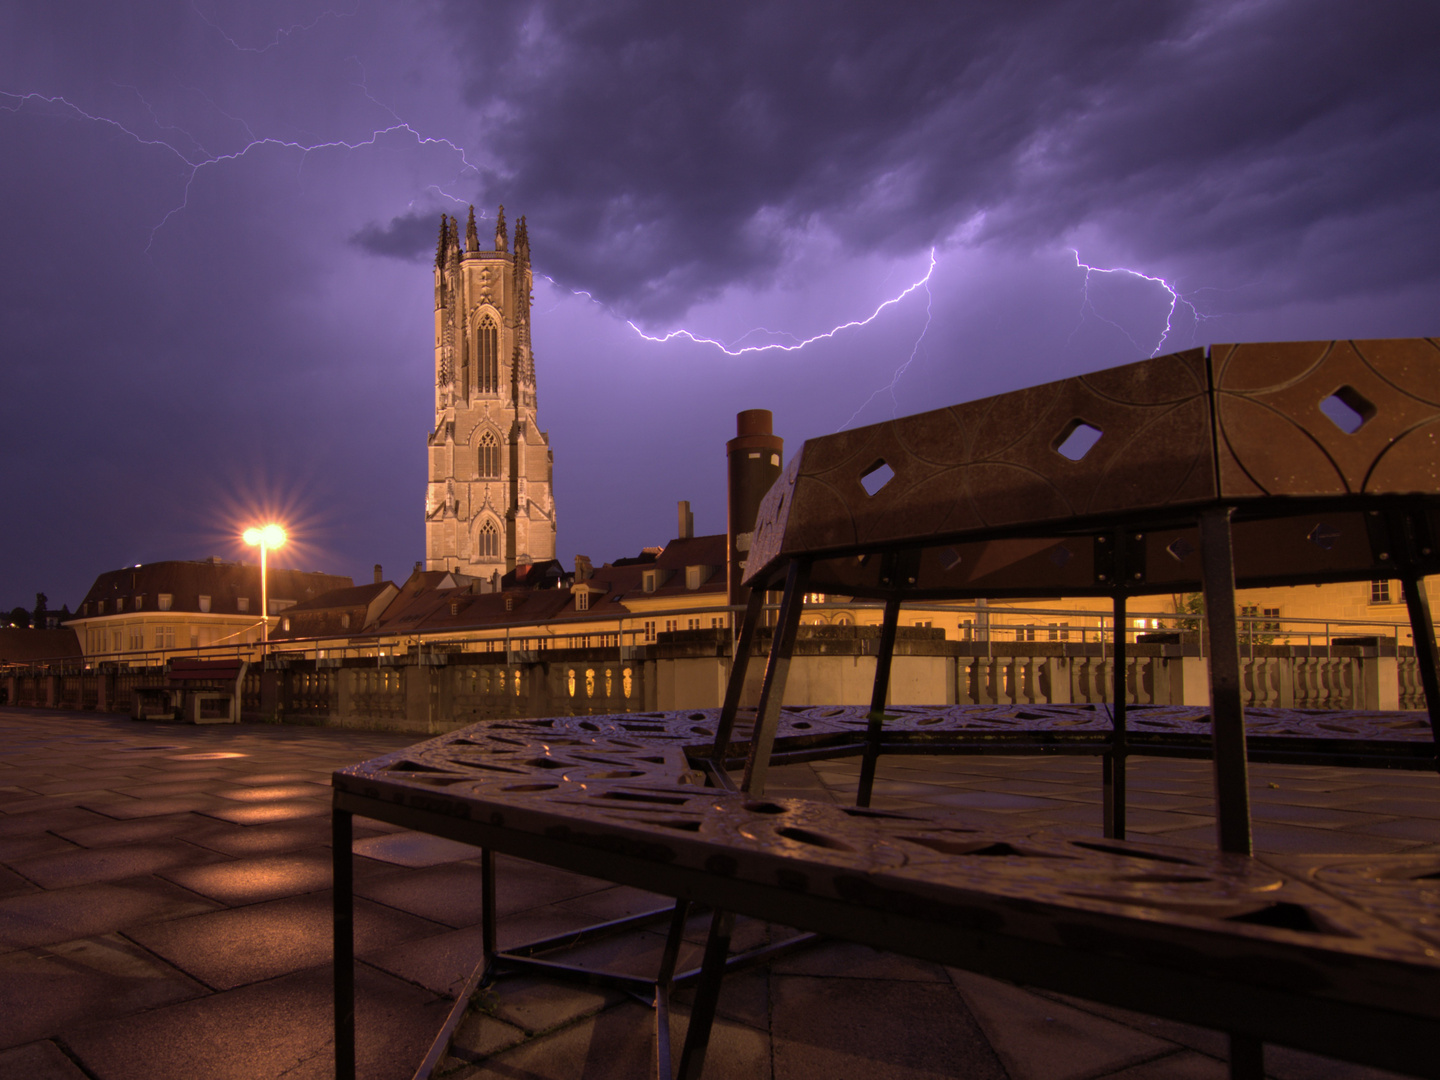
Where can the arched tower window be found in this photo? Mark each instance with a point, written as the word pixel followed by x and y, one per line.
pixel 489 457
pixel 489 540
pixel 488 342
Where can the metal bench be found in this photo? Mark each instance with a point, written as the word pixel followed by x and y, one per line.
pixel 1208 471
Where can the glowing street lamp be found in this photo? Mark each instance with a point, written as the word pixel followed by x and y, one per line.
pixel 267 537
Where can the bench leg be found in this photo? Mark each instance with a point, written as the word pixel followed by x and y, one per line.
pixel 707 996
pixel 1247 1058
pixel 343 891
pixel 1422 629
pixel 1227 712
pixel 487 914
pixel 877 701
pixel 754 611
pixel 664 980
pixel 777 669
pixel 1113 764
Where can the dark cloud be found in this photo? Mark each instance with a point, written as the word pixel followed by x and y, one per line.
pixel 667 151
pixel 407 236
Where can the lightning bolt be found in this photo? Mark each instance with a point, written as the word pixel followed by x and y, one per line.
pixel 776 346
pixel 1176 299
pixel 195 162
pixel 280 34
pixel 900 371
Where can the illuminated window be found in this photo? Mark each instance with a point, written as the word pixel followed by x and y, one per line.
pixel 488 341
pixel 490 544
pixel 204 603
pixel 489 457
pixel 242 603
pixel 165 601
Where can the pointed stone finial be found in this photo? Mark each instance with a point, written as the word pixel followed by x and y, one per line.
pixel 502 238
pixel 472 238
pixel 522 240
pixel 454 238
pixel 443 242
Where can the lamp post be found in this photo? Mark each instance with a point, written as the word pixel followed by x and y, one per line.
pixel 266 537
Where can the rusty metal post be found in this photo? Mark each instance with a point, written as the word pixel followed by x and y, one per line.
pixel 344 906
pixel 1113 763
pixel 767 714
pixel 878 695
pixel 1227 713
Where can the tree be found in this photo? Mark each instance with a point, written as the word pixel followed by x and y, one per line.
pixel 18 617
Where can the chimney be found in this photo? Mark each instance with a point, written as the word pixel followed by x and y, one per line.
pixel 754 458
pixel 687 520
pixel 379 574
pixel 418 566
pixel 584 568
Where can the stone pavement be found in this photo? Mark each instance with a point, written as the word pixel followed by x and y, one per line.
pixel 165 912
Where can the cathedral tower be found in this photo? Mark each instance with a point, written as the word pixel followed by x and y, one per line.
pixel 489 500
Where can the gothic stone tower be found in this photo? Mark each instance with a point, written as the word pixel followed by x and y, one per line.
pixel 489 502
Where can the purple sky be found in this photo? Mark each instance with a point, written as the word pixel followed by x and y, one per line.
pixel 219 218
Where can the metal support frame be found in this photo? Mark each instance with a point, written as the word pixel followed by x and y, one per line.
pixel 1227 713
pixel 875 729
pixel 344 900
pixel 1113 763
pixel 739 666
pixel 707 996
pixel 777 669
pixel 1422 627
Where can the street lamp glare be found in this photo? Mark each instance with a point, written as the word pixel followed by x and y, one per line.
pixel 269 536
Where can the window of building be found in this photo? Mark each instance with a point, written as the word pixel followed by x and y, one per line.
pixel 115 641
pixel 814 598
pixel 194 638
pixel 489 457
pixel 1025 633
pixel 242 603
pixel 139 601
pixel 925 624
pixel 345 621
pixel 286 624
pixel 716 622
pixel 164 637
pixel 489 544
pixel 119 604
pixel 164 601
pixel 582 601
pixel 100 607
pixel 649 629
pixel 648 580
pixel 671 625
pixel 205 603
pixel 488 348
pixel 137 638
pixel 692 624
pixel 1379 592
pixel 1059 631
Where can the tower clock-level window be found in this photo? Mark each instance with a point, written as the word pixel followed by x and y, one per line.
pixel 489 457
pixel 488 340
pixel 489 540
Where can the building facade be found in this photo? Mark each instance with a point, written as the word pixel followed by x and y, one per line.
pixel 489 502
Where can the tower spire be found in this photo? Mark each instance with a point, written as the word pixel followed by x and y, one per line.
pixel 522 241
pixel 454 251
pixel 443 242
pixel 472 238
pixel 502 239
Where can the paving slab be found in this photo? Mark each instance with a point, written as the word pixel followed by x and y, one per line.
pixel 277 1028
pixel 237 946
pixel 60 986
pixel 38 1061
pixel 54 915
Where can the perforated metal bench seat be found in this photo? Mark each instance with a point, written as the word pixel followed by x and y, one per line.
pixel 1340 956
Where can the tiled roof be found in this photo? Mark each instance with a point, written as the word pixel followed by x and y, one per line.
pixel 186 582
